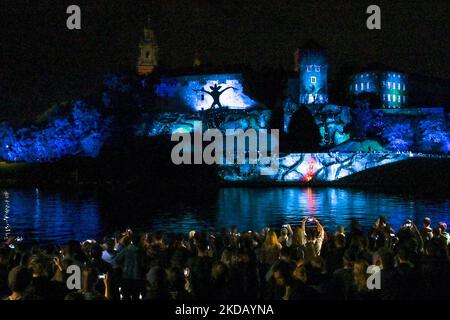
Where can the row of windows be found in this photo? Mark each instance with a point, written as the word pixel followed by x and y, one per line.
pixel 394 98
pixel 313 67
pixel 364 86
pixel 394 85
pixel 390 85
pixel 394 75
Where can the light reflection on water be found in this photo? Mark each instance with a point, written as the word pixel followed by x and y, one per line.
pixel 57 217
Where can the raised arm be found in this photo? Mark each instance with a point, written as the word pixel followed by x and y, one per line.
pixel 303 231
pixel 226 90
pixel 418 236
pixel 320 229
pixel 106 282
pixel 289 229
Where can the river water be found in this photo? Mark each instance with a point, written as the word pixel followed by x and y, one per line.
pixel 50 216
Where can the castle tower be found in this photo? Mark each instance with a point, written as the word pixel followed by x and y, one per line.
pixel 148 58
pixel 313 72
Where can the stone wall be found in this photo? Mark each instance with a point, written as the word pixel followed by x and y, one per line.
pixel 159 124
pixel 312 167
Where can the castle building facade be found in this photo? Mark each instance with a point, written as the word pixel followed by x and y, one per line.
pixel 313 74
pixel 390 86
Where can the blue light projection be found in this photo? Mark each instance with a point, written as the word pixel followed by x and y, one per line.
pixel 167 123
pixel 390 86
pixel 187 91
pixel 313 76
pixel 315 167
pixel 82 132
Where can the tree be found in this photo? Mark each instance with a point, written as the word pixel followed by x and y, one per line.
pixel 399 136
pixel 366 123
pixel 434 136
pixel 303 132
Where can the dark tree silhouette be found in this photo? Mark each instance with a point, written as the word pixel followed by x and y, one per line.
pixel 303 132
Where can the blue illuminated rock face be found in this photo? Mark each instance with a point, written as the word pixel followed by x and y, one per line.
pixel 312 167
pixel 196 92
pixel 331 120
pixel 390 86
pixel 82 132
pixel 313 73
pixel 169 122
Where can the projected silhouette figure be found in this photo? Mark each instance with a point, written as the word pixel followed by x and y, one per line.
pixel 215 93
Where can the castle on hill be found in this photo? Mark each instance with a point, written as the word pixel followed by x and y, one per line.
pixel 200 90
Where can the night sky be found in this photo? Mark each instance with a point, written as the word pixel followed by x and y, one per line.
pixel 42 62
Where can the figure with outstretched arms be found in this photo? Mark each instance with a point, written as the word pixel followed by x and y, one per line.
pixel 215 93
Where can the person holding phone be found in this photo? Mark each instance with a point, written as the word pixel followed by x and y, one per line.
pixel 286 234
pixel 314 236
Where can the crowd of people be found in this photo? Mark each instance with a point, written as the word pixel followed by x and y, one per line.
pixel 301 263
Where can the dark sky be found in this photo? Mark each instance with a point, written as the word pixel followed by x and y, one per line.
pixel 43 62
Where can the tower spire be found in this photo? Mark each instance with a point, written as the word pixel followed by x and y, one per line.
pixel 148 57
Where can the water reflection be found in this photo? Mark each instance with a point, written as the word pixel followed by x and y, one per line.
pixel 257 208
pixel 6 211
pixel 49 217
pixel 58 217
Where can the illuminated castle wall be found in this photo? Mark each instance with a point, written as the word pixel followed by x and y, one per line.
pixel 185 92
pixel 390 86
pixel 166 123
pixel 313 74
pixel 312 167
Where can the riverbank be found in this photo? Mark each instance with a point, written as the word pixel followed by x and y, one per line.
pixel 430 175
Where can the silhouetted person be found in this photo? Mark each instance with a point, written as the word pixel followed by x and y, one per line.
pixel 215 93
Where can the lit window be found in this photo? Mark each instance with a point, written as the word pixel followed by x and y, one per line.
pixel 368 85
pixel 362 86
pixel 317 68
pixel 389 97
pixel 356 87
pixel 394 98
pixel 313 79
pixel 398 86
pixel 309 68
pixel 384 97
pixel 404 87
pixel 389 85
pixel 399 98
